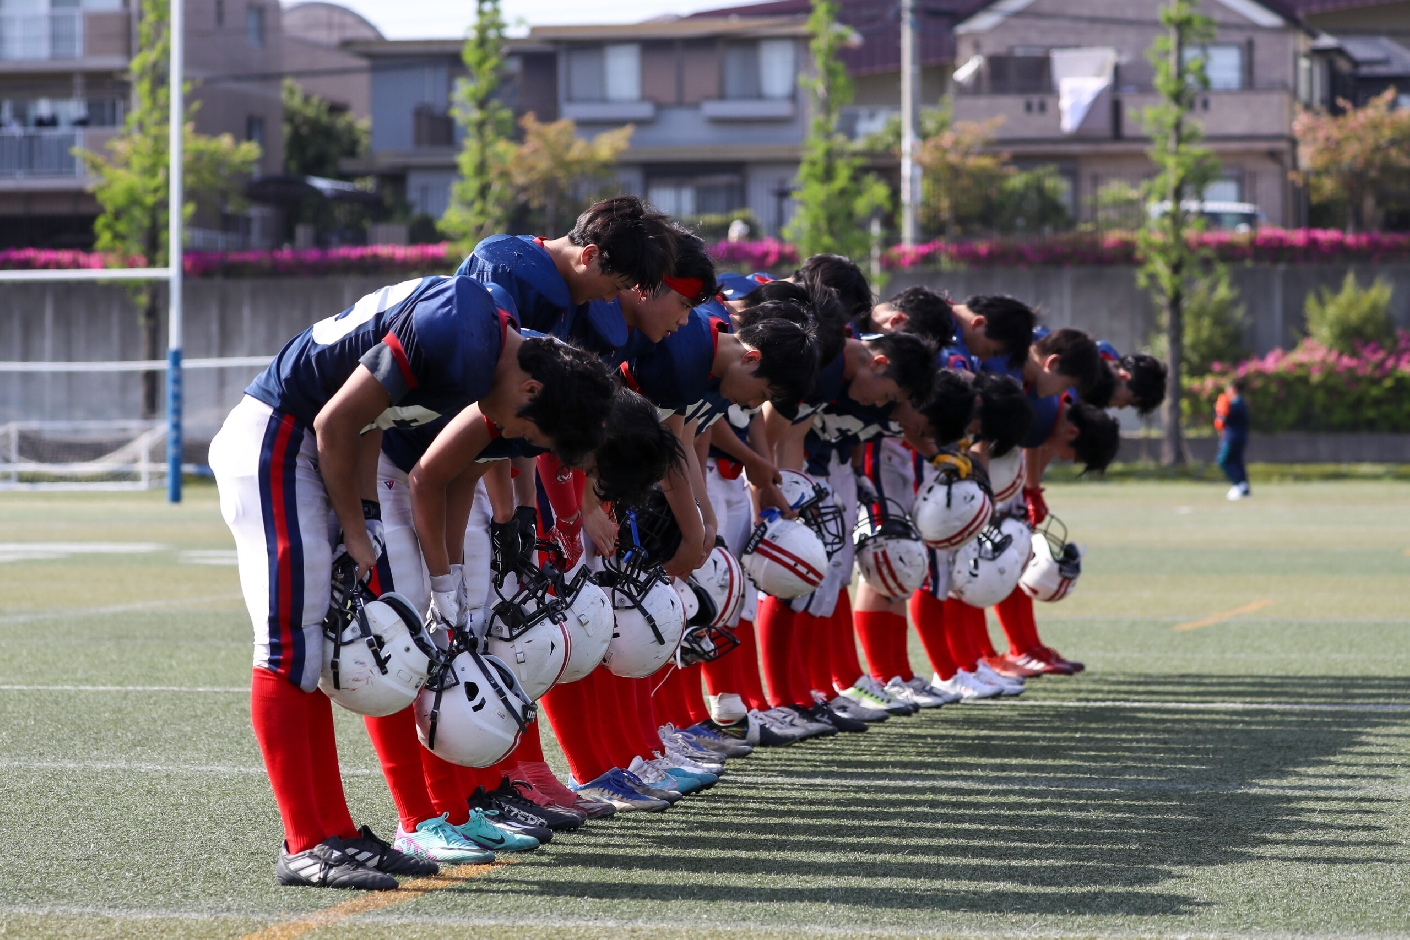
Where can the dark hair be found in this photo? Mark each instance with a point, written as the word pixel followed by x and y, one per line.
pixel 634 241
pixel 1239 383
pixel 788 356
pixel 928 315
pixel 1007 321
pixel 638 451
pixel 1098 436
pixel 1005 414
pixel 842 275
pixel 693 261
pixel 911 362
pixel 1147 381
pixel 572 407
pixel 1102 391
pixel 1078 357
pixel 820 306
pixel 950 407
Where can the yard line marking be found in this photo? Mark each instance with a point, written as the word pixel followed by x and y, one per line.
pixel 1097 784
pixel 374 901
pixel 1221 706
pixel 1219 618
pixel 117 608
pixel 124 688
pixel 150 768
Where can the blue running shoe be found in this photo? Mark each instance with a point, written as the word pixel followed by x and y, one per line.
pixel 613 788
pixel 707 737
pixel 656 793
pixel 439 841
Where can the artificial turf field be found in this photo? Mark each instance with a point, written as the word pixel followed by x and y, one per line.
pixel 1247 776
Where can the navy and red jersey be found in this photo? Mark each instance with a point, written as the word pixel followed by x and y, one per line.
pixel 956 357
pixel 829 386
pixel 595 327
pixel 716 310
pixel 523 267
pixel 843 423
pixel 1108 352
pixel 433 343
pixel 1046 411
pixel 738 286
pixel 675 374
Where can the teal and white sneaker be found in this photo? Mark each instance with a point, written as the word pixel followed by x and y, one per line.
pixel 439 841
pixel 481 830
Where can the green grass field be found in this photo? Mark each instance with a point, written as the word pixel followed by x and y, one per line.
pixel 1248 777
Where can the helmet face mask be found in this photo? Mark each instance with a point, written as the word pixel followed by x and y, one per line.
pixel 705 644
pixel 987 569
pixel 472 711
pixel 815 509
pixel 649 617
pixel 1056 564
pixel 376 653
pixel 649 529
pixel 589 622
pixel 722 578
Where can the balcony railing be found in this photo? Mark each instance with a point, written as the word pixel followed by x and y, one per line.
pixel 36 36
pixel 40 153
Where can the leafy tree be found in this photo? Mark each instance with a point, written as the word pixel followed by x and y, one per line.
pixel 1120 206
pixel 1352 316
pixel 554 169
pixel 316 137
pixel 834 200
pixel 1214 325
pixel 1031 201
pixel 1357 160
pixel 131 180
pixel 960 174
pixel 481 199
pixel 1168 261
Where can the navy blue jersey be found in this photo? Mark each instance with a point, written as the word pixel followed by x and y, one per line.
pixel 738 286
pixel 956 357
pixel 1108 352
pixel 432 342
pixel 675 373
pixel 829 386
pixel 523 267
pixel 1045 417
pixel 598 327
pixel 715 310
pixel 841 425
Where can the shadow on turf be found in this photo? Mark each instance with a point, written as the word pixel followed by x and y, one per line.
pixel 1015 810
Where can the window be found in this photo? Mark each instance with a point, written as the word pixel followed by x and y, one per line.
pixel 1224 65
pixel 672 198
pixel 605 73
pixel 700 195
pixel 764 69
pixel 254 25
pixel 1020 74
pixel 254 129
pixel 1225 190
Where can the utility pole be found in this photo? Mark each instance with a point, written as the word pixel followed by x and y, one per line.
pixel 1173 451
pixel 910 118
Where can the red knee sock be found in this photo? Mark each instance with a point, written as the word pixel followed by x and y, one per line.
pixel 873 629
pixel 775 632
pixel 572 712
pixel 722 675
pixel 957 635
pixel 690 701
pixel 899 651
pixel 983 645
pixel 815 655
pixel 1020 627
pixel 928 614
pixel 667 702
pixel 751 680
pixel 648 722
pixel 327 778
pixel 616 710
pixel 399 751
pixel 279 715
pixel 447 790
pixel 846 667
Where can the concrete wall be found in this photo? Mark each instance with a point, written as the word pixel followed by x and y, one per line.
pixel 1287 448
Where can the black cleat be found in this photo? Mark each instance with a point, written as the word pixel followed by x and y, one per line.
pixel 326 865
pixel 841 722
pixel 374 853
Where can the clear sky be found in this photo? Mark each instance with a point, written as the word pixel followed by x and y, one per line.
pixel 434 19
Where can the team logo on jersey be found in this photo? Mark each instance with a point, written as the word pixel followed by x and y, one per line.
pixel 389 484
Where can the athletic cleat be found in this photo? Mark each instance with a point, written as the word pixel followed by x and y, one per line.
pixel 516 793
pixel 1062 660
pixel 711 740
pixel 684 762
pixel 764 731
pixel 685 742
pixel 544 781
pixel 1044 662
pixel 726 708
pixel 373 852
pixel 659 774
pixel 701 778
pixel 737 731
pixel 612 788
pixel 656 793
pixel 918 692
pixel 439 841
pixel 326 865
pixel 868 692
pixel 821 712
pixel 512 808
pixel 818 727
pixel 1007 665
pixel 483 829
pixel 542 833
pixel 788 719
pixel 967 685
pixel 845 706
pixel 1009 686
pixel 529 791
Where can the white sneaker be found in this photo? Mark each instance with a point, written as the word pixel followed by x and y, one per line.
pixel 918 692
pixel 868 692
pixel 653 772
pixel 1010 684
pixel 1235 493
pixel 797 724
pixel 726 708
pixel 684 761
pixel 968 686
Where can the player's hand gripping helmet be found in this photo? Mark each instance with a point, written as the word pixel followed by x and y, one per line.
pixel 527 630
pixel 815 509
pixel 376 654
pixel 1056 565
pixel 784 558
pixel 1006 476
pixel 648 613
pixel 473 710
pixel 892 557
pixel 987 569
pixel 952 508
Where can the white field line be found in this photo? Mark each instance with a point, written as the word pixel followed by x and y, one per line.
pixel 117 608
pixel 143 767
pixel 125 688
pixel 1055 783
pixel 1221 706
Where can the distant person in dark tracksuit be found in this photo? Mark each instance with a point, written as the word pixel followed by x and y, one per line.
pixel 1231 421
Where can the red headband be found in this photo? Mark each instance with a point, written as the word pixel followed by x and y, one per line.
pixel 688 287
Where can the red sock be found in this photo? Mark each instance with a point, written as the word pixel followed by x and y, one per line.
pixel 530 748
pixel 928 614
pixel 280 719
pixel 815 649
pixel 775 632
pixel 873 628
pixel 722 675
pixel 617 726
pixel 399 751
pixel 799 685
pixel 752 682
pixel 667 703
pixel 846 667
pixel 1015 614
pixel 323 759
pixel 983 645
pixel 695 710
pixel 570 710
pixel 899 651
pixel 447 790
pixel 957 635
pixel 563 488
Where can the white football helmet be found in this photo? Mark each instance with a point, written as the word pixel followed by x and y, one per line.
pixel 1056 565
pixel 815 509
pixel 649 618
pixel 986 569
pixel 527 631
pixel 589 623
pixel 1006 476
pixel 893 559
pixel 723 579
pixel 784 558
pixel 952 508
pixel 472 710
pixel 376 654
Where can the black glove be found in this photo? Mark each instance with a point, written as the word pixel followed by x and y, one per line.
pixel 526 519
pixel 504 546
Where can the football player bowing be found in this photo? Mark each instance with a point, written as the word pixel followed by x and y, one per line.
pixel 296 460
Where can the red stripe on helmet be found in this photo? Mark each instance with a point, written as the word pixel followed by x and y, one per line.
pixel 777 553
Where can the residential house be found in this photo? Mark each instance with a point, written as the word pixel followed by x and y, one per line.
pixel 64 84
pixel 1070 81
pixel 314 36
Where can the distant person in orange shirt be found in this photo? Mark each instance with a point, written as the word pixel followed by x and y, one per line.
pixel 1231 421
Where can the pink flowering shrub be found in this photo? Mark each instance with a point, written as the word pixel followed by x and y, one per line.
pixel 1314 388
pixel 766 254
pixel 310 262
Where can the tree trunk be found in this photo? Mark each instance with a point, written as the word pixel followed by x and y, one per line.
pixel 1173 449
pixel 151 381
